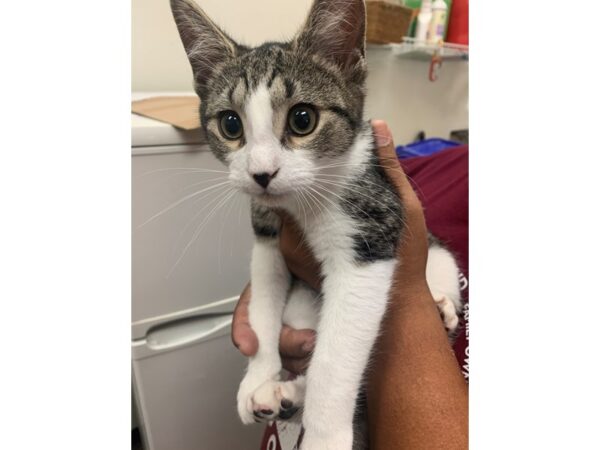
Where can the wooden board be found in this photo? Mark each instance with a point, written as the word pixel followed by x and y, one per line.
pixel 179 111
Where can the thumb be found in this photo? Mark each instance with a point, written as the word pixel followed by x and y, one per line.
pixel 389 160
pixel 242 335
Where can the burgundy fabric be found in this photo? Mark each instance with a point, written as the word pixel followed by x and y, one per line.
pixel 441 181
pixel 270 440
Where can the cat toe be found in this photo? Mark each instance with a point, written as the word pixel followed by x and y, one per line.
pixel 277 400
pixel 289 412
pixel 263 414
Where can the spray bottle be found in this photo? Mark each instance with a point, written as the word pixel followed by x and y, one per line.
pixel 423 20
pixel 437 25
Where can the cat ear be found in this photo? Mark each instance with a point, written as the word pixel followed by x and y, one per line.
pixel 335 29
pixel 205 43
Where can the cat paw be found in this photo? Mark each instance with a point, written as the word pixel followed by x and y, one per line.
pixel 245 404
pixel 336 441
pixel 448 312
pixel 278 400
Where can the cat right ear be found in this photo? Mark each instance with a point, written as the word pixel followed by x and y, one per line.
pixel 205 43
pixel 335 29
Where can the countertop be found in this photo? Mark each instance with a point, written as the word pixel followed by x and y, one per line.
pixel 147 132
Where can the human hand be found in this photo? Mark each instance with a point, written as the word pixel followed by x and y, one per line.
pixel 295 346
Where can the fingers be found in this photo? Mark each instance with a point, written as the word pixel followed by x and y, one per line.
pixel 296 343
pixel 242 335
pixel 295 347
pixel 297 366
pixel 293 344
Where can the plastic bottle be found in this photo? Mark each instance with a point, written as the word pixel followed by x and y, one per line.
pixel 458 23
pixel 423 21
pixel 437 25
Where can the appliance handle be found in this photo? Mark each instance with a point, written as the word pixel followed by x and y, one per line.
pixel 191 330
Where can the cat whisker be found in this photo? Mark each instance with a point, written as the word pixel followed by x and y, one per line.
pixel 316 201
pixel 322 207
pixel 344 181
pixel 365 164
pixel 406 228
pixel 301 203
pixel 226 212
pixel 359 190
pixel 339 210
pixel 202 182
pixel 414 184
pixel 302 200
pixel 386 238
pixel 180 201
pixel 387 137
pixel 207 205
pixel 183 170
pixel 200 227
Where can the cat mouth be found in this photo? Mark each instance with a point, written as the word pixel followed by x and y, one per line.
pixel 270 197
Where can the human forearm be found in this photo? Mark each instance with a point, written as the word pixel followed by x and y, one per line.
pixel 417 397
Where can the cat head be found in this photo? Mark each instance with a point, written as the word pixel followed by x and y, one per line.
pixel 277 113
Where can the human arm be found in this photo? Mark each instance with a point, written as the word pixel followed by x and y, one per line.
pixel 416 395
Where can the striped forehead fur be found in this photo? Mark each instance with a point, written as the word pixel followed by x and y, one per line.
pixel 291 77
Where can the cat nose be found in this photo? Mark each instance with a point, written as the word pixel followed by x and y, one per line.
pixel 264 178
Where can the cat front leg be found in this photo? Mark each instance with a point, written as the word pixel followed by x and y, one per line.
pixel 270 284
pixel 354 301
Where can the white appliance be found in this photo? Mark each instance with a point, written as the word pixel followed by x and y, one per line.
pixel 189 265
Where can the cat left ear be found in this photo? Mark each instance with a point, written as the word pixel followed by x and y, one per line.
pixel 205 43
pixel 335 29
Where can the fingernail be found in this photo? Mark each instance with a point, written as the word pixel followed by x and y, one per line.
pixel 382 135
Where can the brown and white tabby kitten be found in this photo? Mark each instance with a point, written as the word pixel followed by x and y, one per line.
pixel 287 119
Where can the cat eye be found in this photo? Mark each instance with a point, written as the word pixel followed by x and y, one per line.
pixel 230 125
pixel 302 119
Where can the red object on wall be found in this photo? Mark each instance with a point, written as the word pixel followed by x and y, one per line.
pixel 458 23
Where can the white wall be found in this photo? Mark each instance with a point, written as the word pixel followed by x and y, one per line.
pixel 159 62
pixel 399 90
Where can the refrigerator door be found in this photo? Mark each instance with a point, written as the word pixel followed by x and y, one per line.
pixel 186 376
pixel 191 237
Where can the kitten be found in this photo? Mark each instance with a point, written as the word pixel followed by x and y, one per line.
pixel 287 119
